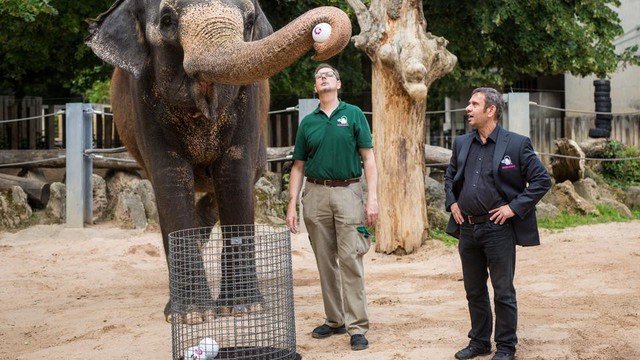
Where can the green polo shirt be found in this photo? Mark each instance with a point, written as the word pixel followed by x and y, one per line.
pixel 329 145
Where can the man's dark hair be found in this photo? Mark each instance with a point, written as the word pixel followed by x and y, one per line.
pixel 325 65
pixel 491 97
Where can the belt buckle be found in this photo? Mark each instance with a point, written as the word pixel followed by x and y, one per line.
pixel 470 219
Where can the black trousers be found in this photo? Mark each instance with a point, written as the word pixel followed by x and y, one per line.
pixel 487 250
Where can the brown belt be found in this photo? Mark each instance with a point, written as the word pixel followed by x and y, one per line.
pixel 333 183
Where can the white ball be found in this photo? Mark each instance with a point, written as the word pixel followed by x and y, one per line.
pixel 321 32
pixel 194 353
pixel 210 347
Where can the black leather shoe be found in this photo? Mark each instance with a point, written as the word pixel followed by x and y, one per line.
pixel 503 355
pixel 471 351
pixel 359 342
pixel 325 330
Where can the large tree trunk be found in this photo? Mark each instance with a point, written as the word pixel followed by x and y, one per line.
pixel 399 149
pixel 406 60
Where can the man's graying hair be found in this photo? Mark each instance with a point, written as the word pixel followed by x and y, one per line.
pixel 491 97
pixel 325 65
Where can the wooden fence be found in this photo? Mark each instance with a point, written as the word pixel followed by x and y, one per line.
pixel 624 129
pixel 46 130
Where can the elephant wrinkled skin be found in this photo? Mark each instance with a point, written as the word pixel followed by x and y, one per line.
pixel 190 97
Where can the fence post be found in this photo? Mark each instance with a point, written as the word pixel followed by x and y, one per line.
pixel 516 117
pixel 305 107
pixel 79 125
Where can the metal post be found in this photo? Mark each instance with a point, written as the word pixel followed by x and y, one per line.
pixel 305 107
pixel 79 124
pixel 516 116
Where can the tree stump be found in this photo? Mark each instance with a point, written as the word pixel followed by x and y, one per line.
pixel 570 164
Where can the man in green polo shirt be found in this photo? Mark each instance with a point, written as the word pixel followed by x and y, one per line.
pixel 332 147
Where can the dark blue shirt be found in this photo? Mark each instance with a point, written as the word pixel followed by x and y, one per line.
pixel 479 193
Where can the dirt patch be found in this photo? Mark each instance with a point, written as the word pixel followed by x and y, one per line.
pixel 99 292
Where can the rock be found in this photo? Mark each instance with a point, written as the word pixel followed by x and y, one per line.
pixel 269 207
pixel 120 181
pixel 564 197
pixel 437 218
pixel 148 198
pixel 100 202
pixel 129 212
pixel 57 205
pixel 14 208
pixel 434 192
pixel 632 197
pixel 621 208
pixel 546 211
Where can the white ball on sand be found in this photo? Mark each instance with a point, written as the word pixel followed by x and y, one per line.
pixel 321 32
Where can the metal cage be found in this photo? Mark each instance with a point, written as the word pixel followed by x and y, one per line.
pixel 232 285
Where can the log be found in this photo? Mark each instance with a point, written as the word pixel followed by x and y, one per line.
pixel 31 159
pixel 596 148
pixel 437 157
pixel 567 168
pixel 37 191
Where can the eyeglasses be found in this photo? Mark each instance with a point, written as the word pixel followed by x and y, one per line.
pixel 328 74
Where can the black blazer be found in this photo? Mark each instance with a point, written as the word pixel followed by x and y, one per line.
pixel 519 175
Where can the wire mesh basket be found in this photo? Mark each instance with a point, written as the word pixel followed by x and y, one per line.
pixel 231 292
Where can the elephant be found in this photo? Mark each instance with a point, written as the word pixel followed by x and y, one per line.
pixel 190 99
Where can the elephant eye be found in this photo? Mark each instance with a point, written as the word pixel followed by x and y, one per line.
pixel 248 26
pixel 168 23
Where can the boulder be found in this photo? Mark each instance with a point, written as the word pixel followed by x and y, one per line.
pixel 15 211
pixel 129 212
pixel 270 208
pixel 434 192
pixel 564 197
pixel 546 211
pixel 56 209
pixel 437 217
pixel 632 197
pixel 616 205
pixel 100 202
pixel 148 198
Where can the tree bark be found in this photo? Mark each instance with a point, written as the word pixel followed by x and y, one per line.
pixel 567 168
pixel 406 60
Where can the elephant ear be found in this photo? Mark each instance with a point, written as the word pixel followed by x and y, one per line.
pixel 117 38
pixel 262 27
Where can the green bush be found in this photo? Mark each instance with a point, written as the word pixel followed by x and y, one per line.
pixel 622 173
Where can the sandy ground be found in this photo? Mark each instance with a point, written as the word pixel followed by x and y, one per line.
pixel 98 293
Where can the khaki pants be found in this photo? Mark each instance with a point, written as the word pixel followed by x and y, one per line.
pixel 331 215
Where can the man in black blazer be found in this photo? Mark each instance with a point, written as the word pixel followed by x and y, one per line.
pixel 492 185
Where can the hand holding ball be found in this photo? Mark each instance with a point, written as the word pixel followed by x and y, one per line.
pixel 321 32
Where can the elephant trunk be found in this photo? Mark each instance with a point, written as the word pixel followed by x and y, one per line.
pixel 219 54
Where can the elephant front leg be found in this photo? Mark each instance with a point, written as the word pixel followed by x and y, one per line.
pixel 239 290
pixel 191 299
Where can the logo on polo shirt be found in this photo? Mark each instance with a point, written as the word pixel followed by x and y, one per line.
pixel 343 121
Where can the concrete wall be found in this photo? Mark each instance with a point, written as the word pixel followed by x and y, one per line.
pixel 625 83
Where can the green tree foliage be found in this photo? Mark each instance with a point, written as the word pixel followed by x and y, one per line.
pixel 26 10
pixel 497 42
pixel 622 173
pixel 41 47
